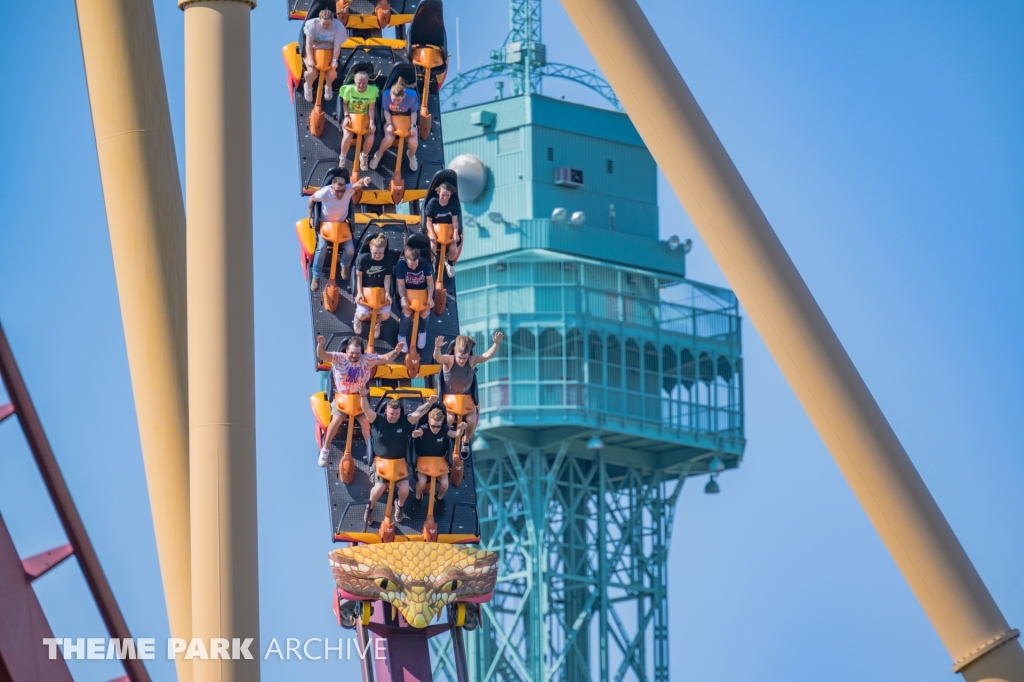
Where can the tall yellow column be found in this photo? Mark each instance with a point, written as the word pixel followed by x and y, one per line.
pixel 780 305
pixel 146 220
pixel 222 421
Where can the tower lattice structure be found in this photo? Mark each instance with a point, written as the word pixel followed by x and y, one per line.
pixel 619 379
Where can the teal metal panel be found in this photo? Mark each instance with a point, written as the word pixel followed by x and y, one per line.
pixel 530 139
pixel 631 186
pixel 585 120
pixel 490 239
pixel 598 346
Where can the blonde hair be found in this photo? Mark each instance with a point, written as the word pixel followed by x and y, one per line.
pixel 380 241
pixel 436 413
pixel 326 14
pixel 464 344
pixel 398 89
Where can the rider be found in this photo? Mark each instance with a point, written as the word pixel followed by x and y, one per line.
pixel 434 441
pixel 390 438
pixel 334 201
pixel 445 208
pixel 399 101
pixel 373 269
pixel 350 371
pixel 459 368
pixel 358 97
pixel 322 33
pixel 414 272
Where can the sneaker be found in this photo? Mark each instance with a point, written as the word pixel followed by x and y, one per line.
pixel 343 162
pixel 362 162
pixel 324 453
pixel 344 272
pixel 368 515
pixel 328 91
pixel 314 284
pixel 398 513
pixel 307 92
pixel 357 326
pixel 376 331
pixel 449 269
pixel 413 163
pixel 421 340
pixel 440 508
pixel 375 161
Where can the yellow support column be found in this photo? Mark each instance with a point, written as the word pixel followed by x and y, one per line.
pixel 222 422
pixel 794 328
pixel 146 221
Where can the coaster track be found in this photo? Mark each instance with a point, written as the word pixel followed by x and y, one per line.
pixel 390 205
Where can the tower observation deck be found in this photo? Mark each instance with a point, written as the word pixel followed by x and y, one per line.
pixel 621 379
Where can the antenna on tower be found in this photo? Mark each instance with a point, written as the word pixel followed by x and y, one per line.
pixel 522 58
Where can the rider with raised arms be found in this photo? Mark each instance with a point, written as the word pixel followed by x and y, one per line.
pixel 389 435
pixel 459 368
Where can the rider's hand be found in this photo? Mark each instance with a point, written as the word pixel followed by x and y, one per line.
pixel 417 433
pixel 363 391
pixel 499 336
pixel 365 181
pixel 345 122
pixel 390 129
pixel 438 341
pixel 430 302
pixel 320 340
pixel 432 399
pixel 400 346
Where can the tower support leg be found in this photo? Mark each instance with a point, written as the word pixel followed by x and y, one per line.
pixel 222 424
pixel 146 223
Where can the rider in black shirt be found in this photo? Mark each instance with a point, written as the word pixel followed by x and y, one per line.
pixel 373 269
pixel 389 437
pixel 445 208
pixel 434 440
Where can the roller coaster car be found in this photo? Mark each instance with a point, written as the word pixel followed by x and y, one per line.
pixel 402 126
pixel 428 49
pixel 444 234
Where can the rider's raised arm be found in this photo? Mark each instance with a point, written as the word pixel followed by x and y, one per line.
pixel 490 352
pixel 415 417
pixel 364 401
pixel 321 352
pixel 439 357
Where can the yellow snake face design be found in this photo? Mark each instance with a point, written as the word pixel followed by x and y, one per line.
pixel 418 578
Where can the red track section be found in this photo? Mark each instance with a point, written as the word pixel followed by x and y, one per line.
pixel 22 622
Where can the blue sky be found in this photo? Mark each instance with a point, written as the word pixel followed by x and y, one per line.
pixel 883 141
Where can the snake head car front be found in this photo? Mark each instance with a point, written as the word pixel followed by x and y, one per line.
pixel 417 578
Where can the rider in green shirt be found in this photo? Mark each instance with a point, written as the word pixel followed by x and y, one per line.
pixel 358 97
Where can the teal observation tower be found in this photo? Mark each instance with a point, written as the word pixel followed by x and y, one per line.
pixel 619 379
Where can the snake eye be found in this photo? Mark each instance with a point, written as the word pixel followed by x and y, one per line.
pixel 451 586
pixel 384 583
